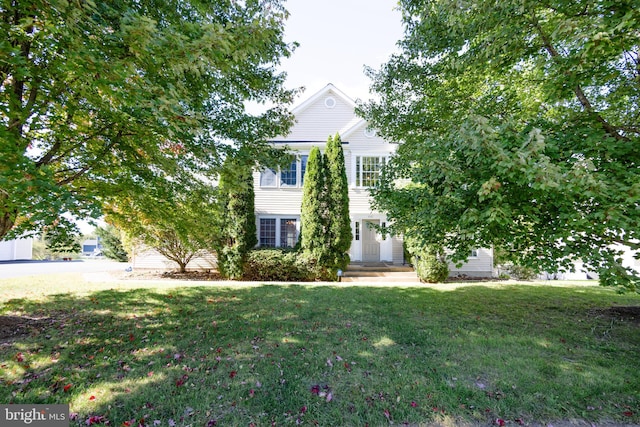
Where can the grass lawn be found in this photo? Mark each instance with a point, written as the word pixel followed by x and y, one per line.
pixel 179 353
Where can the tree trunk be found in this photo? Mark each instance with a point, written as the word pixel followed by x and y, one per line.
pixel 7 216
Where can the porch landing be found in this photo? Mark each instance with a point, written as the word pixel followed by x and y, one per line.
pixel 379 272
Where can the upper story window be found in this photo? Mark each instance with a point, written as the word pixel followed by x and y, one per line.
pixel 292 176
pixel 368 170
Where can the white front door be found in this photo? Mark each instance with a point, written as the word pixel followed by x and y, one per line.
pixel 370 246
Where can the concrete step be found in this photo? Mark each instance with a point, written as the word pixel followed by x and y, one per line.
pixel 379 273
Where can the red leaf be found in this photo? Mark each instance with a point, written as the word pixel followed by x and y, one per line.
pixel 67 387
pixel 500 422
pixel 315 389
pixel 180 381
pixel 19 357
pixel 131 337
pixel 627 413
pixel 387 414
pixel 414 404
pixel 232 374
pixel 303 409
pixel 92 397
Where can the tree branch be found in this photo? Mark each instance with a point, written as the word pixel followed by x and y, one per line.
pixel 582 98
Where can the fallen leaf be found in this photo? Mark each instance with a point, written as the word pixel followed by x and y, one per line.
pixel 67 387
pixel 92 397
pixel 414 404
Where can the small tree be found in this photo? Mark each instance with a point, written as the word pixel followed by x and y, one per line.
pixel 238 231
pixel 338 219
pixel 62 238
pixel 111 242
pixel 175 224
pixel 315 242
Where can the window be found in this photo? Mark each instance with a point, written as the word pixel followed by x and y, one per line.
pixel 268 232
pixel 278 232
pixel 357 236
pixel 368 170
pixel 288 233
pixel 474 253
pixel 268 178
pixel 293 176
pixel 288 177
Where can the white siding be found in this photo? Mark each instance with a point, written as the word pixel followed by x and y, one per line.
pixel 18 249
pixel 480 266
pixel 318 122
pixel 145 258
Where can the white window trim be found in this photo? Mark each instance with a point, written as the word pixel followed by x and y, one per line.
pixel 384 158
pixel 278 228
pixel 278 175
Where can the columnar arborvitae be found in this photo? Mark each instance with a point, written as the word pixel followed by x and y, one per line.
pixel 239 228
pixel 315 242
pixel 338 200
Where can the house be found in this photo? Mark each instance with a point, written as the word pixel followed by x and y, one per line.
pixel 91 247
pixel 278 193
pixel 15 250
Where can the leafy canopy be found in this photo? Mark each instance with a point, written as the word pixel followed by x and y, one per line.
pixel 100 100
pixel 518 123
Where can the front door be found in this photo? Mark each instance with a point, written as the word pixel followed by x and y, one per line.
pixel 370 246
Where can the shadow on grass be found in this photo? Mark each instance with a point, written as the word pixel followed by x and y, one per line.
pixel 326 355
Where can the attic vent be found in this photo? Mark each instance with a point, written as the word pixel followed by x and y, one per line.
pixel 369 133
pixel 330 102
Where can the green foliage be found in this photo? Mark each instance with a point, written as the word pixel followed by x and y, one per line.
pixel 314 219
pixel 62 238
pixel 276 264
pixel 111 241
pixel 339 220
pixel 518 127
pixel 177 225
pixel 237 233
pixel 105 99
pixel 428 260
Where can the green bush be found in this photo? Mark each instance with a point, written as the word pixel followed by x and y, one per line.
pixel 430 268
pixel 519 272
pixel 277 265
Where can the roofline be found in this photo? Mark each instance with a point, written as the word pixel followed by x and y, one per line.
pixel 320 93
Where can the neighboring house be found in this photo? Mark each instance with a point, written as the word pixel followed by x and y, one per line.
pixel 14 250
pixel 278 194
pixel 146 258
pixel 91 247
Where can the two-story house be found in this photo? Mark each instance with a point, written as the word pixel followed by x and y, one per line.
pixel 278 193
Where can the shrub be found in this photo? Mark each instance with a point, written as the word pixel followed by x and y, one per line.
pixel 277 265
pixel 430 267
pixel 519 272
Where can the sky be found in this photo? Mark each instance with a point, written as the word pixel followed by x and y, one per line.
pixel 337 39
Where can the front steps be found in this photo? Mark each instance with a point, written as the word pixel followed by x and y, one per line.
pixel 380 272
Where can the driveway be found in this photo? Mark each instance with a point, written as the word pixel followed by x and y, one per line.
pixel 30 268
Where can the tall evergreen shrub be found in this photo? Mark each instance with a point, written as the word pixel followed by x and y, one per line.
pixel 315 242
pixel 339 222
pixel 238 220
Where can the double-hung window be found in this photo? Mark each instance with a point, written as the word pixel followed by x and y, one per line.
pixel 278 232
pixel 368 169
pixel 290 177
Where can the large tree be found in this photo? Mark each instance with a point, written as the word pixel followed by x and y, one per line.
pixel 519 127
pixel 339 222
pixel 104 99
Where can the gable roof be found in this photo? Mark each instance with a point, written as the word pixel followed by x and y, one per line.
pixel 323 92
